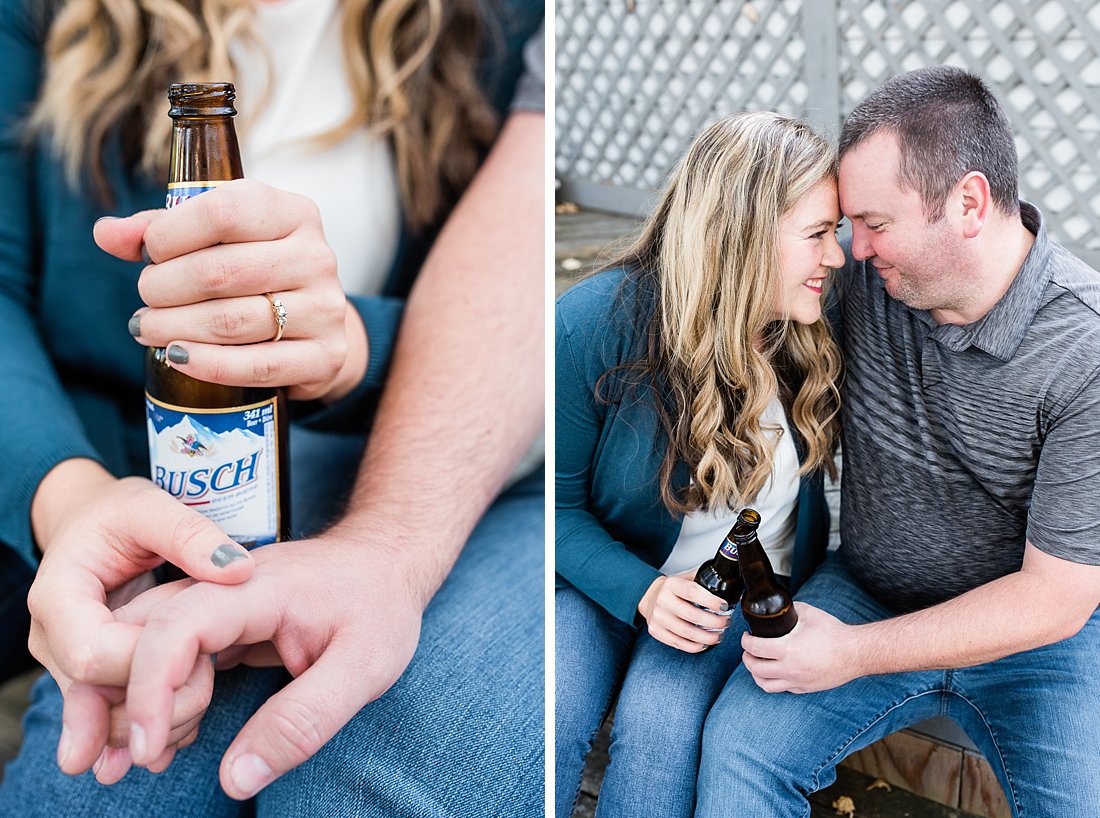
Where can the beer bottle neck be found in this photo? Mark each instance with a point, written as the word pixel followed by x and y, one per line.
pixel 204 149
pixel 755 565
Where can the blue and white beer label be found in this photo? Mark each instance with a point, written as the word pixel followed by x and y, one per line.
pixel 221 462
pixel 728 549
pixel 182 191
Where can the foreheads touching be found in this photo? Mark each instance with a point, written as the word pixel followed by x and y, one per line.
pixel 715 235
pixel 947 124
pixel 738 179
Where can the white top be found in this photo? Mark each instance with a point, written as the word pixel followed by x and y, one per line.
pixel 353 183
pixel 703 531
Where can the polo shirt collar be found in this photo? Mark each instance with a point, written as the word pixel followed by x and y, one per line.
pixel 1001 330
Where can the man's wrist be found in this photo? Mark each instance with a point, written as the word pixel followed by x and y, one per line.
pixel 863 650
pixel 418 561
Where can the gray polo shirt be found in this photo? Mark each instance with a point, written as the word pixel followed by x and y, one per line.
pixel 962 442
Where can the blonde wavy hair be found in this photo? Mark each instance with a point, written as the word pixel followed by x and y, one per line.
pixel 412 66
pixel 706 265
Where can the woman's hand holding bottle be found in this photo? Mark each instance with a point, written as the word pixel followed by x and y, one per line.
pixel 212 262
pixel 678 612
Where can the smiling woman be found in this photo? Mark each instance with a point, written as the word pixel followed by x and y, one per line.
pixel 808 251
pixel 694 375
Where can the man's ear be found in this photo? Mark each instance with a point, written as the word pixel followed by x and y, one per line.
pixel 974 201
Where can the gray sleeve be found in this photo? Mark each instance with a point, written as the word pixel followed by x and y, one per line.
pixel 531 90
pixel 1064 519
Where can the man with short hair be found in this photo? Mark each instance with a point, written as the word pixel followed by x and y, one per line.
pixel 968 578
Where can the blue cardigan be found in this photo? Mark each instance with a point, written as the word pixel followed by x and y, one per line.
pixel 71 375
pixel 612 530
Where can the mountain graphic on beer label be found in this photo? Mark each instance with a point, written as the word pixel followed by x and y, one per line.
pixel 189 441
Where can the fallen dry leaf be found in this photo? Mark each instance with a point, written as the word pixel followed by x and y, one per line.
pixel 879 784
pixel 845 806
pixel 566 208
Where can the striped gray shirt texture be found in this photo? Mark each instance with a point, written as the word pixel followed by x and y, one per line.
pixel 962 442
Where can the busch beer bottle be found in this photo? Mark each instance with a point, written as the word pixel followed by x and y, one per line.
pixel 220 449
pixel 722 576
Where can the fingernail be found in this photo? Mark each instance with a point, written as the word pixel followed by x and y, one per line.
pixel 105 219
pixel 225 554
pixel 135 324
pixel 99 762
pixel 64 746
pixel 137 743
pixel 177 354
pixel 250 774
pixel 723 607
pixel 145 255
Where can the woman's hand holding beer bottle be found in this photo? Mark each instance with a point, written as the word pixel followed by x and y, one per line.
pixel 677 612
pixel 212 263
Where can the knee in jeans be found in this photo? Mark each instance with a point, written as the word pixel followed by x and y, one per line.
pixel 656 727
pixel 753 725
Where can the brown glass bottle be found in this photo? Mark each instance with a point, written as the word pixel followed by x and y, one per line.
pixel 766 605
pixel 722 577
pixel 722 574
pixel 220 449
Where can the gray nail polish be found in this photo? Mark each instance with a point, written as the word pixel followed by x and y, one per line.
pixel 225 554
pixel 177 354
pixel 145 255
pixel 135 325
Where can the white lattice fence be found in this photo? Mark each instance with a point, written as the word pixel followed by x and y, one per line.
pixel 637 78
pixel 634 83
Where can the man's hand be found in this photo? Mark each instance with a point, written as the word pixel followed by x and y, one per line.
pixel 677 611
pixel 97 554
pixel 344 619
pixel 819 654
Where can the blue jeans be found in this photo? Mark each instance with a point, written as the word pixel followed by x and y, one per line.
pixel 663 698
pixel 459 734
pixel 1035 716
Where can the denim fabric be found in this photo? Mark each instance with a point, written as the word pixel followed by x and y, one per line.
pixel 1035 715
pixel 663 698
pixel 591 649
pixel 460 733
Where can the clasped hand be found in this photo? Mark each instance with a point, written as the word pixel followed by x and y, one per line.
pixel 96 559
pixel 342 616
pixel 339 615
